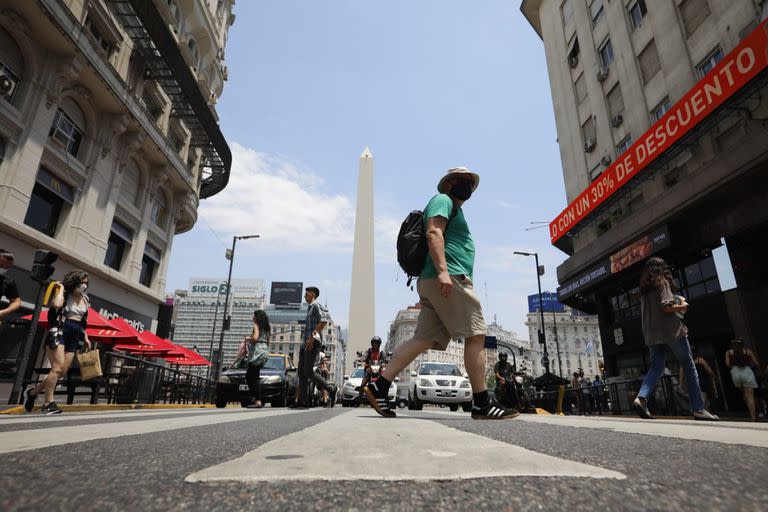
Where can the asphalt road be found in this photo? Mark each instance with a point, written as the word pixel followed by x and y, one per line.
pixel 268 460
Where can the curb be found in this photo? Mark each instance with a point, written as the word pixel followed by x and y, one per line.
pixel 111 407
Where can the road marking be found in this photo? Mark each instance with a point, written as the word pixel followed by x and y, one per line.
pixel 414 449
pixel 35 418
pixel 720 432
pixel 21 440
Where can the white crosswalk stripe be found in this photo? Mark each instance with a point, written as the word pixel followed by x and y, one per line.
pixel 33 439
pixel 416 449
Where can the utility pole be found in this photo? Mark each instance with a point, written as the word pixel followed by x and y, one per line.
pixel 230 255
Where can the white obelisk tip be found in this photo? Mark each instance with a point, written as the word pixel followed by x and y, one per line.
pixel 366 153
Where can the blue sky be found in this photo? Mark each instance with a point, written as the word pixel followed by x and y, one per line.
pixel 427 85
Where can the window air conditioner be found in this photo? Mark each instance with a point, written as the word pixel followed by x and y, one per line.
pixel 602 74
pixel 606 160
pixel 617 120
pixel 589 145
pixel 573 61
pixel 7 85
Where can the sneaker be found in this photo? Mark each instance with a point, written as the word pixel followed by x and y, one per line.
pixel 641 407
pixel 705 415
pixel 377 397
pixel 493 412
pixel 29 400
pixel 51 408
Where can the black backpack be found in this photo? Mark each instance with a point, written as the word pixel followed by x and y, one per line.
pixel 412 247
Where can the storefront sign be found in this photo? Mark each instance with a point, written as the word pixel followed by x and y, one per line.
pixel 618 261
pixel 110 310
pixel 550 303
pixel 737 68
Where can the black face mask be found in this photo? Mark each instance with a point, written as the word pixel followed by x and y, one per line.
pixel 462 190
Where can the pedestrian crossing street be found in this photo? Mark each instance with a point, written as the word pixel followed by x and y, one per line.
pixel 414 446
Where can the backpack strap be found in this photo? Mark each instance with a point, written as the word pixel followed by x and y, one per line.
pixel 454 212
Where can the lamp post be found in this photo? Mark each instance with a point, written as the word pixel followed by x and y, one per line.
pixel 557 345
pixel 230 255
pixel 542 336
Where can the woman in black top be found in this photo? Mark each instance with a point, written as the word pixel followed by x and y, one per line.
pixel 67 319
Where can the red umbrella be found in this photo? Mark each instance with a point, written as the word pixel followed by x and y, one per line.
pixel 95 320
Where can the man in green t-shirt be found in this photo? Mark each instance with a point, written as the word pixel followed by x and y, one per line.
pixel 449 307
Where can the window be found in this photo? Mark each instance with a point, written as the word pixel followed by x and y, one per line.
pixel 588 130
pixel 693 12
pixel 149 263
pixel 11 66
pixel 49 198
pixel 129 186
pixel 606 54
pixel 595 172
pixel 98 34
pixel 154 109
pixel 159 207
pixel 615 101
pixel 176 138
pixel 581 89
pixel 622 146
pixel 119 239
pixel 194 52
pixel 649 62
pixel 573 53
pixel 710 62
pixel 596 10
pixel 701 278
pixel 567 11
pixel 661 109
pixel 65 133
pixel 636 13
pixel 626 305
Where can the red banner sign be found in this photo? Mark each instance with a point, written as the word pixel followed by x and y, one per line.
pixel 737 68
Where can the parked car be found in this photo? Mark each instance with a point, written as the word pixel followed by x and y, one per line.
pixel 439 384
pixel 278 382
pixel 350 391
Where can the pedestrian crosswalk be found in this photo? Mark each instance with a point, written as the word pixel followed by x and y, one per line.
pixel 419 446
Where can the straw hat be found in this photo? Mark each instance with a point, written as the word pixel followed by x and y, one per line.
pixel 454 171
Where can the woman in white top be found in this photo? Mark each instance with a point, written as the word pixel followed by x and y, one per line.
pixel 67 318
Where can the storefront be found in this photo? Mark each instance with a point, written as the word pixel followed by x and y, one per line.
pixel 702 208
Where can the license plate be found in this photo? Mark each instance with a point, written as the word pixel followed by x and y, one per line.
pixel 244 387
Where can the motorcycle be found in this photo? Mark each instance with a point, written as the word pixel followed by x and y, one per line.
pixel 514 395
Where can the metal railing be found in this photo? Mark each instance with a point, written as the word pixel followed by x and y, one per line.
pixel 616 398
pixel 132 380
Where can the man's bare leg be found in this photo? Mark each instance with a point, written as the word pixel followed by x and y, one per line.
pixel 403 356
pixel 474 362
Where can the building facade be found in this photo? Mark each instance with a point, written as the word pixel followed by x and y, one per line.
pixel 199 315
pixel 575 336
pixel 109 139
pixel 660 110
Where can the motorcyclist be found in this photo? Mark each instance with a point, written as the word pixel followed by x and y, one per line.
pixel 371 356
pixel 504 384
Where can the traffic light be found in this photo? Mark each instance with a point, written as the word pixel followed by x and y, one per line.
pixel 42 267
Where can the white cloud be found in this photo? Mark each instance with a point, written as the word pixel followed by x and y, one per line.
pixel 286 205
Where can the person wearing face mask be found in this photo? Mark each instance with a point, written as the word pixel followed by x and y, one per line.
pixel 450 308
pixel 8 285
pixel 68 317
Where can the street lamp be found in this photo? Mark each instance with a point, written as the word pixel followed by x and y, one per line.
pixel 542 336
pixel 230 255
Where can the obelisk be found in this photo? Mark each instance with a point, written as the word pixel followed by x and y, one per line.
pixel 362 299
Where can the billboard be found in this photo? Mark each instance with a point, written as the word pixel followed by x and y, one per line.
pixel 550 303
pixel 212 287
pixel 285 293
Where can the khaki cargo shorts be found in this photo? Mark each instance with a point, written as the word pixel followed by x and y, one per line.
pixel 441 319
